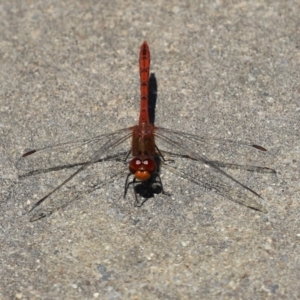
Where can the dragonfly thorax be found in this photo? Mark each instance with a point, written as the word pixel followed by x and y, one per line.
pixel 142 168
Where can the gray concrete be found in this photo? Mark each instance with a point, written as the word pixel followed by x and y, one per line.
pixel 69 70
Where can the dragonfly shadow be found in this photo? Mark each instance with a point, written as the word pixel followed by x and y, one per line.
pixel 152 97
pixel 146 190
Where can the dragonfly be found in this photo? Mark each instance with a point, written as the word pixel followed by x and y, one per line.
pixel 145 158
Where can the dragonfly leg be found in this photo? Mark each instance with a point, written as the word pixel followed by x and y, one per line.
pixel 127 185
pixel 159 181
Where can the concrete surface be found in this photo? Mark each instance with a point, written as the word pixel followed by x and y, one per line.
pixel 227 69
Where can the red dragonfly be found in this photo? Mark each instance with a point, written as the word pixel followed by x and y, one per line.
pixel 146 157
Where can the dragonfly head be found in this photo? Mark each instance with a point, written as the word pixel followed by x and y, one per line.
pixel 142 168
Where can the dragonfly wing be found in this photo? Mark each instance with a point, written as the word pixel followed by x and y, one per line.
pixel 221 164
pixel 210 173
pixel 212 145
pixel 105 148
pixel 66 197
pixel 72 154
pixel 208 150
pixel 208 178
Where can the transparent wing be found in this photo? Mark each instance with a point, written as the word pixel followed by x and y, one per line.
pixel 79 155
pixel 67 195
pixel 200 143
pixel 207 172
pixel 72 154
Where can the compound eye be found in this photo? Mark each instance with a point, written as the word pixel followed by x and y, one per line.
pixel 135 165
pixel 149 165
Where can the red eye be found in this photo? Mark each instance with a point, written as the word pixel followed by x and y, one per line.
pixel 142 169
pixel 149 164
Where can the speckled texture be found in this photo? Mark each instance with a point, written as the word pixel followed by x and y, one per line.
pixel 225 69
